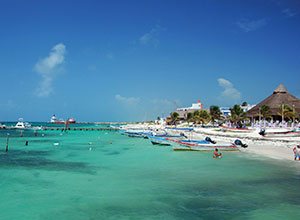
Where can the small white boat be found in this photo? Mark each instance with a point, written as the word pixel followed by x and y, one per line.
pixel 138 133
pixel 204 145
pixel 22 125
pixel 159 141
pixel 236 130
pixel 279 132
pixel 25 125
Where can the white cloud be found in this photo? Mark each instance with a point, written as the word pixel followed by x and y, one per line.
pixel 289 13
pixel 129 101
pixel 151 38
pixel 162 107
pixel 47 68
pixel 229 93
pixel 247 25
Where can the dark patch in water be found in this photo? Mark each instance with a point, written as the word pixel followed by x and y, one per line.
pixel 37 160
pixel 43 141
pixel 23 133
pixel 36 174
pixel 72 154
pixel 104 150
pixel 113 153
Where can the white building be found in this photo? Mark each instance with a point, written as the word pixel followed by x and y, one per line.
pixel 195 106
pixel 226 110
pixel 185 110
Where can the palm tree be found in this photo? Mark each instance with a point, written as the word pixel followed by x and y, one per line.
pixel 189 117
pixel 237 115
pixel 265 112
pixel 287 112
pixel 174 117
pixel 201 117
pixel 215 113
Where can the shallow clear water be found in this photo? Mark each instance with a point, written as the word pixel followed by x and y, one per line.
pixel 105 175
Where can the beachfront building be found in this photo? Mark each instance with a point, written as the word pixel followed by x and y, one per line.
pixel 247 107
pixel 185 110
pixel 225 111
pixel 276 104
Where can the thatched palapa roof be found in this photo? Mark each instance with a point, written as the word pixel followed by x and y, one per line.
pixel 280 96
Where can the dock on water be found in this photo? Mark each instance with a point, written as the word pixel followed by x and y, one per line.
pixel 80 128
pixel 65 129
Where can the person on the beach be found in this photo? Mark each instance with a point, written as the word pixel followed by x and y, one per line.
pixel 217 154
pixel 297 152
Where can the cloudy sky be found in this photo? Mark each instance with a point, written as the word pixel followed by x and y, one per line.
pixel 136 60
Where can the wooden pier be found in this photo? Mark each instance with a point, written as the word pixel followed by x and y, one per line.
pixel 78 129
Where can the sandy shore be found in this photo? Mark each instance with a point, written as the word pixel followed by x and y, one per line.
pixel 275 148
pixel 280 148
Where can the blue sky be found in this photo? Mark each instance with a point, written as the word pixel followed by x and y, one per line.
pixel 136 60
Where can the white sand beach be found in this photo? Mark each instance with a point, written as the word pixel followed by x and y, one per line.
pixel 275 148
pixel 280 148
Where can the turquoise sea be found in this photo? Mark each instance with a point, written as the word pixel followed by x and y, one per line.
pixel 80 175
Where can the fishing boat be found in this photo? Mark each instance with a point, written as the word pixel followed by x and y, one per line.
pixel 204 145
pixel 237 130
pixel 138 133
pixel 279 132
pixel 180 128
pixel 168 135
pixel 159 141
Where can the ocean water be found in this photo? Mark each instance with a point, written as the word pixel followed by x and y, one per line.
pixel 82 175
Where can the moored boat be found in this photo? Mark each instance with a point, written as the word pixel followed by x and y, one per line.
pixel 204 145
pixel 61 121
pixel 237 130
pixel 24 125
pixel 159 141
pixel 279 132
pixel 138 133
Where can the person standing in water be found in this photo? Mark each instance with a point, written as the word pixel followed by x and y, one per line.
pixel 297 152
pixel 217 154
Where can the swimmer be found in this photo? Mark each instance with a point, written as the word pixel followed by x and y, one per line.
pixel 217 154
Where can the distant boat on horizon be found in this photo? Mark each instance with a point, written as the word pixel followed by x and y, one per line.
pixel 54 120
pixel 21 124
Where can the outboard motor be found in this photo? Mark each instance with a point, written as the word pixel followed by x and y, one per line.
pixel 262 132
pixel 183 135
pixel 210 140
pixel 240 143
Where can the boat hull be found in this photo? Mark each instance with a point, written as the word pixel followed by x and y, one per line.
pixel 206 148
pixel 159 141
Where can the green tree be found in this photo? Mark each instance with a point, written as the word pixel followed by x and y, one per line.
pixel 174 118
pixel 287 112
pixel 189 117
pixel 237 115
pixel 265 112
pixel 215 113
pixel 201 117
